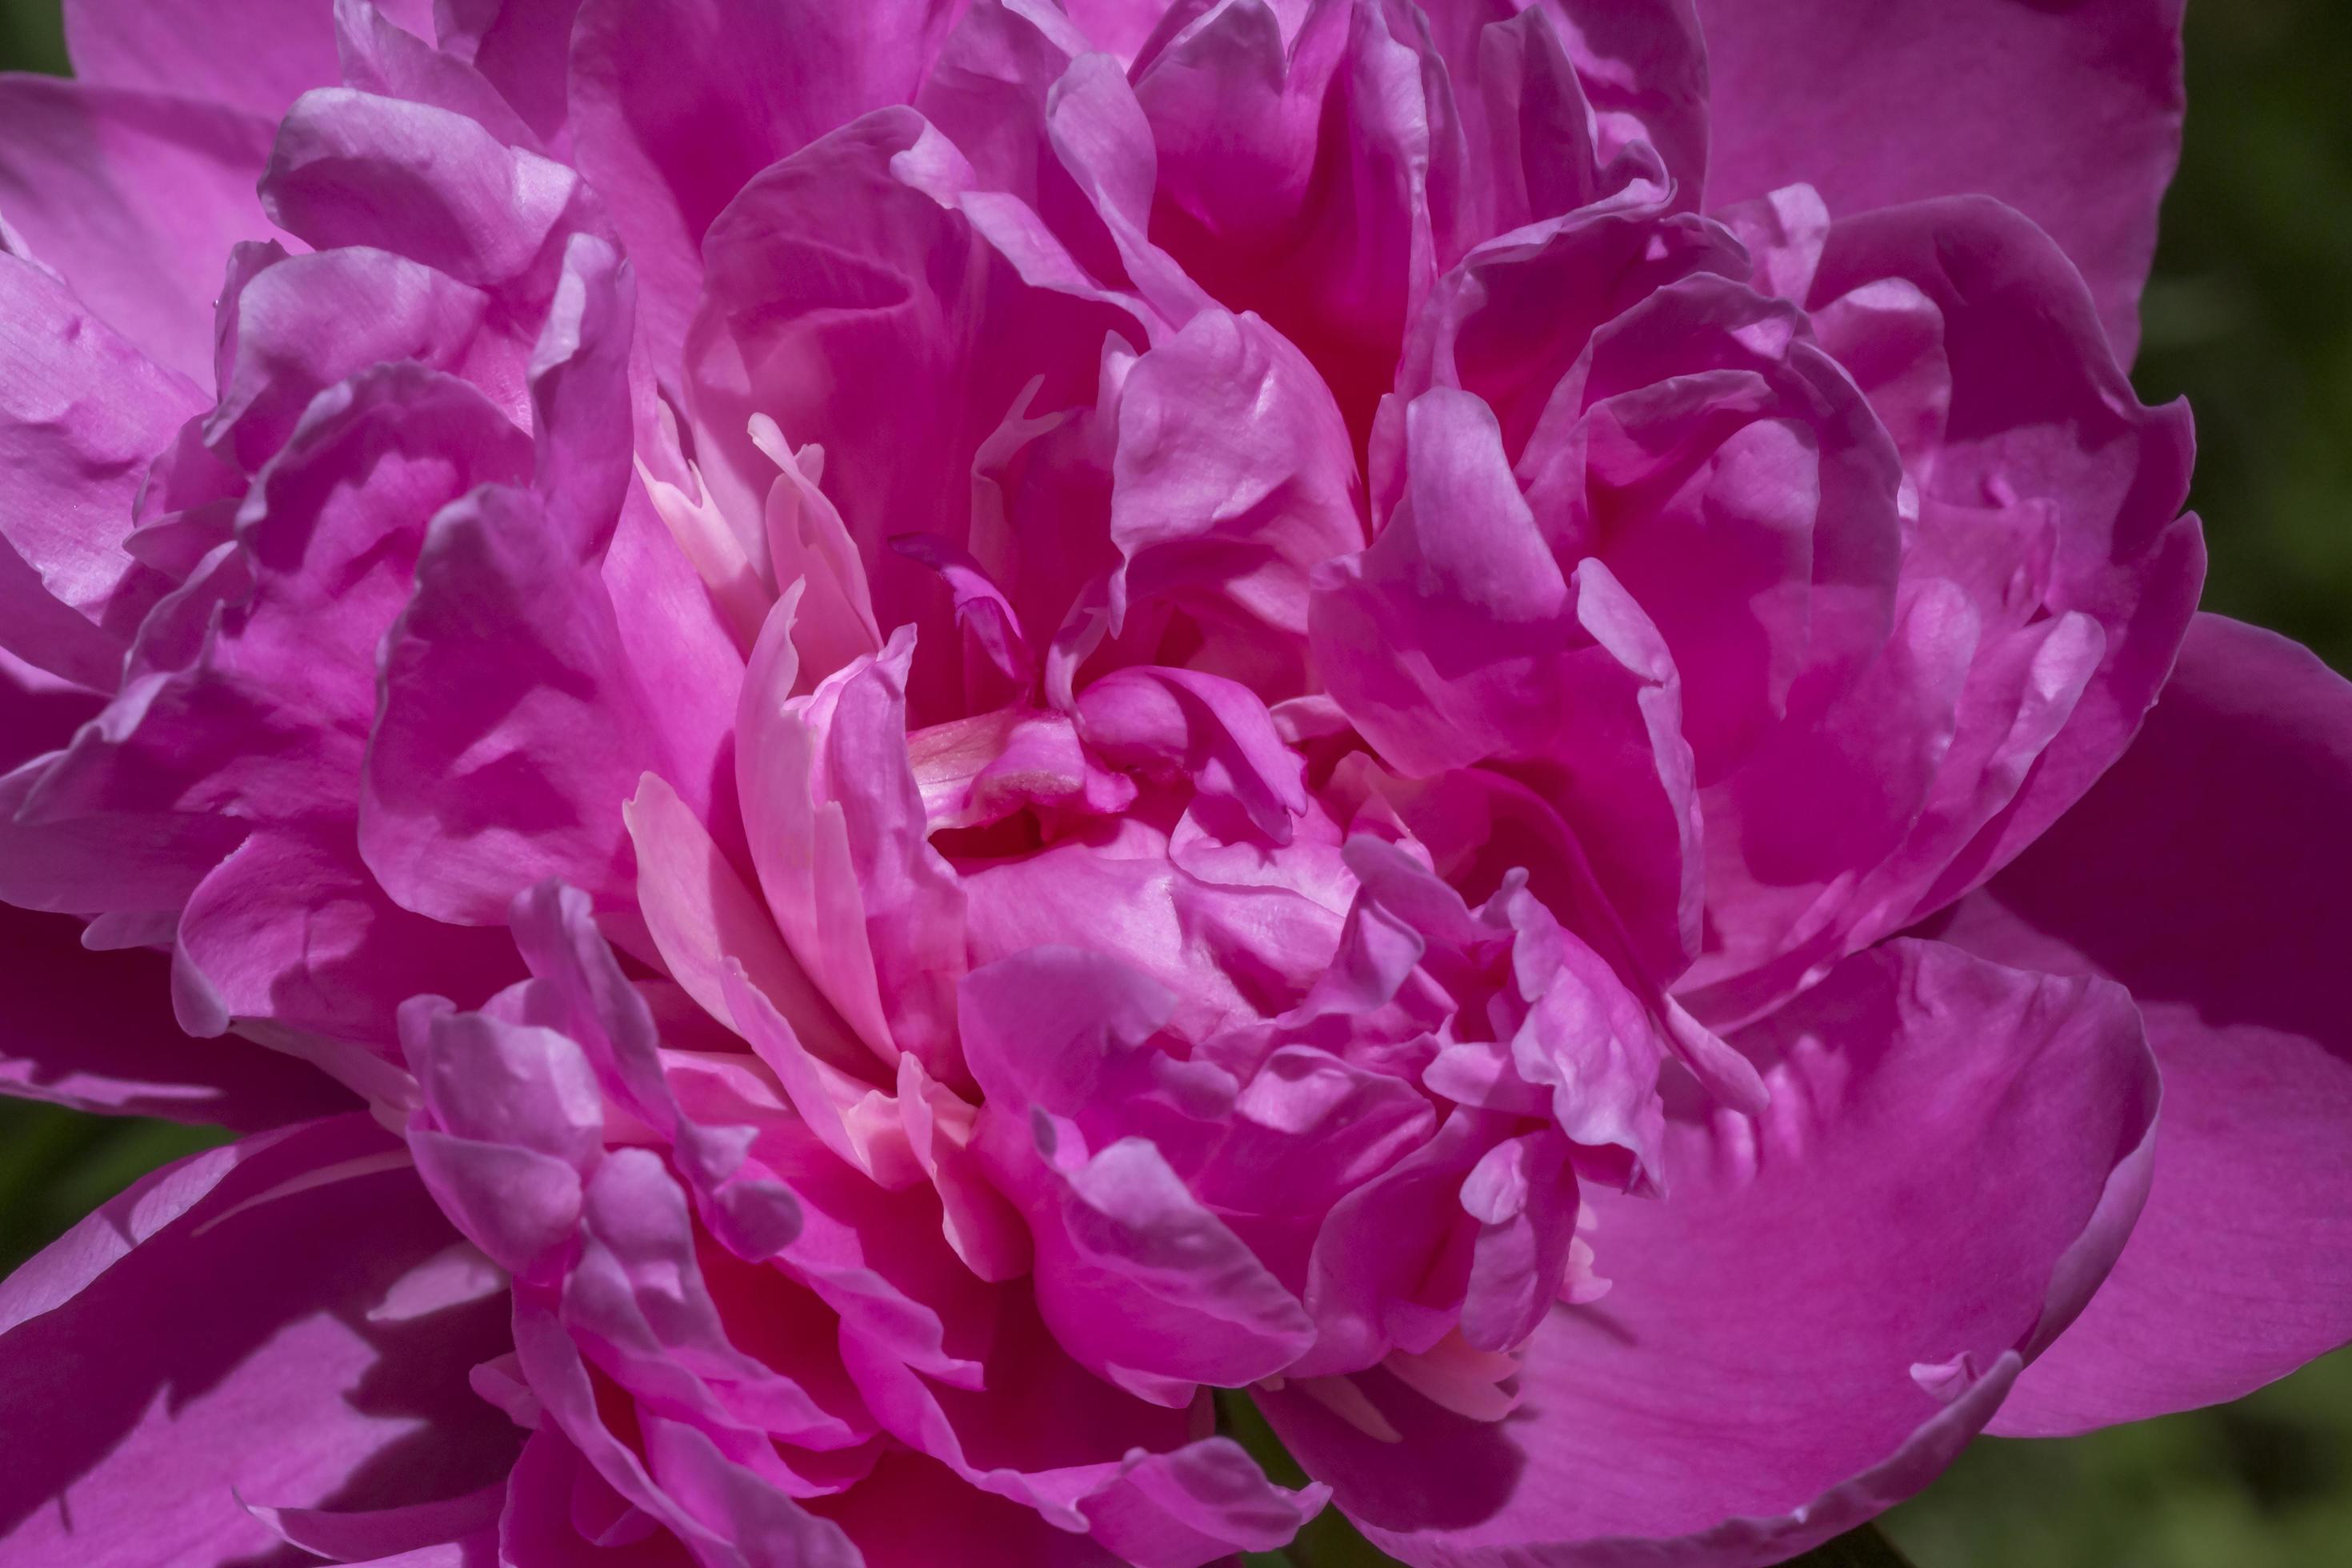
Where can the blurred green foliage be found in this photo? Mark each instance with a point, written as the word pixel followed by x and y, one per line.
pixel 32 36
pixel 57 1166
pixel 2249 315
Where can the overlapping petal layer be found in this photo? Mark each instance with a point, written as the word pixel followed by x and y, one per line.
pixel 971 719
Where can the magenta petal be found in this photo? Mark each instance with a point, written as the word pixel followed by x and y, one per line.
pixel 513 724
pixel 2202 872
pixel 1458 638
pixel 290 927
pixel 381 57
pixel 1233 480
pixel 676 104
pixel 2071 114
pixel 707 924
pixel 391 1534
pixel 2041 415
pixel 522 48
pixel 164 1403
pixel 349 168
pixel 913 1512
pixel 1953 1155
pixel 135 199
pixel 305 322
pixel 862 279
pixel 94 1030
pixel 257 55
pixel 81 412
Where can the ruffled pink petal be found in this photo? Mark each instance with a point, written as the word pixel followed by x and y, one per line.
pixel 349 168
pixel 676 106
pixel 81 412
pixel 379 56
pixel 727 1516
pixel 478 787
pixel 2049 579
pixel 1018 337
pixel 1458 638
pixel 707 924
pixel 1293 170
pixel 166 1404
pixel 87 1023
pixel 291 927
pixel 2199 873
pixel 522 48
pixel 1215 731
pixel 2039 414
pixel 249 701
pixel 1133 1476
pixel 302 323
pixel 1114 1223
pixel 1233 480
pixel 1767 1370
pixel 841 840
pixel 2070 114
pixel 913 1512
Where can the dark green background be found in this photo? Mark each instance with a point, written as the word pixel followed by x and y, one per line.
pixel 2249 315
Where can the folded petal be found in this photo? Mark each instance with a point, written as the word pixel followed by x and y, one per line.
pixel 2069 113
pixel 82 413
pixel 350 168
pixel 1234 479
pixel 841 840
pixel 2202 872
pixel 1953 1155
pixel 95 1031
pixel 1457 639
pixel 864 283
pixel 513 722
pixel 676 106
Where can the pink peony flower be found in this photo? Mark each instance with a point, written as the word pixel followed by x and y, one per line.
pixel 874 741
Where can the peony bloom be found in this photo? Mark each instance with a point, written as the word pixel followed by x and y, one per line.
pixel 878 744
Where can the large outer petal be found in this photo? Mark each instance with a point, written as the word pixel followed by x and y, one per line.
pixel 256 55
pixel 2069 112
pixel 2206 872
pixel 1954 1153
pixel 135 199
pixel 95 1031
pixel 181 1354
